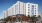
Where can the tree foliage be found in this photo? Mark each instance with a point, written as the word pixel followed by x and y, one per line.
pixel 28 16
pixel 7 19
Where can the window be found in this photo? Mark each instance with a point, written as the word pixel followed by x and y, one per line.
pixel 33 6
pixel 28 12
pixel 28 9
pixel 28 4
pixel 35 10
pixel 31 10
pixel 35 13
pixel 32 13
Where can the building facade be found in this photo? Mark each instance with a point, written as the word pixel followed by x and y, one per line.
pixel 5 14
pixel 31 9
pixel 23 8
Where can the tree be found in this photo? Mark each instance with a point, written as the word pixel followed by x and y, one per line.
pixel 7 19
pixel 13 18
pixel 34 18
pixel 1 19
pixel 28 16
pixel 39 17
pixel 24 18
pixel 19 19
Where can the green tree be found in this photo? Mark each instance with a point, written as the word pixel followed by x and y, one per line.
pixel 39 17
pixel 35 18
pixel 19 19
pixel 13 19
pixel 7 19
pixel 28 16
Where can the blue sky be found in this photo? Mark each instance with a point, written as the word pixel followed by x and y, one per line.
pixel 5 4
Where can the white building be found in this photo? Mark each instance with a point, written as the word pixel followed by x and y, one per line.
pixel 5 14
pixel 23 8
pixel 31 9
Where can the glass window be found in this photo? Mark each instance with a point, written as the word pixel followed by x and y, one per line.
pixel 32 5
pixel 32 8
pixel 35 13
pixel 28 12
pixel 28 9
pixel 32 13
pixel 35 5
pixel 35 8
pixel 28 4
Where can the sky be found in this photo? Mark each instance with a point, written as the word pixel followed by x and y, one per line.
pixel 5 4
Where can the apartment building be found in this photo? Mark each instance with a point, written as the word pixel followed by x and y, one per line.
pixel 5 14
pixel 31 9
pixel 23 8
